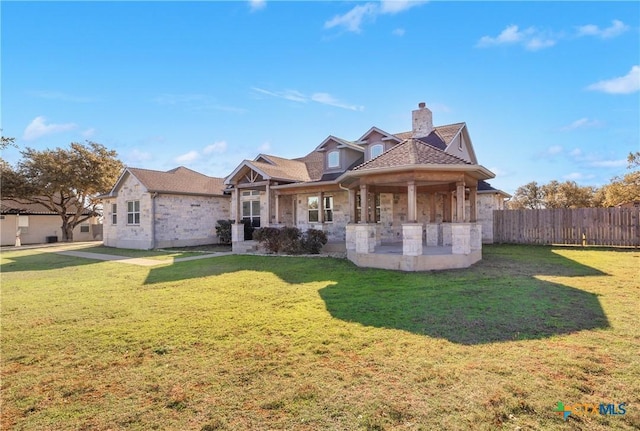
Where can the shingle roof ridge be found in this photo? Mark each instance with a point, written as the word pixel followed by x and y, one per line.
pixel 393 149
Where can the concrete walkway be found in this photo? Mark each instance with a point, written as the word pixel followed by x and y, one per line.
pixel 72 250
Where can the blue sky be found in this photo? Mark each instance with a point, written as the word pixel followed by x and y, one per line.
pixel 549 90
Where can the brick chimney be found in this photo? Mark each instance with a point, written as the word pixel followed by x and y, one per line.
pixel 422 121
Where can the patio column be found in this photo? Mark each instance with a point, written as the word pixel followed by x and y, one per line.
pixel 277 208
pixel 446 207
pixel 473 204
pixel 268 206
pixel 321 208
pixel 412 202
pixel 460 201
pixel 236 203
pixel 352 205
pixel 364 204
pixel 432 207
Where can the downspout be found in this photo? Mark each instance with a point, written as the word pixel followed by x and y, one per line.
pixel 153 220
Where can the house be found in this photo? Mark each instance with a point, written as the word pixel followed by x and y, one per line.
pixel 37 224
pixel 149 209
pixel 414 200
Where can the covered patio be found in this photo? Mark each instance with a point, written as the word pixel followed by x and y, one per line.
pixel 439 223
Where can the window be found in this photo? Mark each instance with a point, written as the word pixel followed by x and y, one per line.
pixel 251 193
pixel 114 213
pixel 333 159
pixel 133 212
pixel 376 150
pixel 84 228
pixel 312 204
pixel 328 208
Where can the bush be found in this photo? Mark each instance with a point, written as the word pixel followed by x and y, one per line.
pixel 290 240
pixel 223 230
pixel 313 240
pixel 269 237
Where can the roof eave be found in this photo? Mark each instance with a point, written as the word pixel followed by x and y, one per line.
pixel 483 172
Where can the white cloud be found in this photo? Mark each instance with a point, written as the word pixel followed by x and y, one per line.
pixel 189 157
pixel 582 123
pixel 609 163
pixel 319 97
pixel 531 38
pixel 39 128
pixel 627 84
pixel 194 102
pixel 395 6
pixel 88 133
pixel 576 152
pixel 327 99
pixel 216 147
pixel 136 156
pixel 266 146
pixel 256 5
pixel 553 150
pixel 353 19
pixel 616 29
pixel 398 32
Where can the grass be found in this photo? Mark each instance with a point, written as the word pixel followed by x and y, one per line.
pixel 259 342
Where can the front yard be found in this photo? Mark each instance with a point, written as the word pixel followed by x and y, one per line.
pixel 259 342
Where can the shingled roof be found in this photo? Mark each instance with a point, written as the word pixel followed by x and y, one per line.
pixel 411 152
pixel 180 180
pixel 10 206
pixel 440 137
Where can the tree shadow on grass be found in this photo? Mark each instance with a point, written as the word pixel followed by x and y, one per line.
pixel 39 261
pixel 503 298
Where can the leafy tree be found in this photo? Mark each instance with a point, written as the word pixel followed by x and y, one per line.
pixel 567 195
pixel 633 160
pixel 622 189
pixel 528 196
pixel 7 142
pixel 65 181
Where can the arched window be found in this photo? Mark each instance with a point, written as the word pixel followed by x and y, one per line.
pixel 333 159
pixel 376 150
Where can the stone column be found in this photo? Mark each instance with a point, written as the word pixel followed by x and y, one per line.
pixel 461 238
pixel 365 238
pixel 352 206
pixel 446 234
pixel 236 204
pixel 460 201
pixel 432 235
pixel 446 207
pixel 277 208
pixel 321 208
pixel 364 204
pixel 412 202
pixel 432 208
pixel 351 236
pixel 473 204
pixel 412 239
pixel 267 196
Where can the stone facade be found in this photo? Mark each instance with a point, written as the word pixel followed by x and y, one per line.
pixel 166 220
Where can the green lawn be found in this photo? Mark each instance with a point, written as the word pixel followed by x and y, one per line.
pixel 292 343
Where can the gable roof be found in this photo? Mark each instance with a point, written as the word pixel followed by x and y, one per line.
pixel 179 180
pixel 485 187
pixel 275 168
pixel 411 152
pixel 440 137
pixel 382 132
pixel 341 143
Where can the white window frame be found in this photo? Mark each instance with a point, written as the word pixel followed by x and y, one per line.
pixel 336 163
pixel 315 202
pixel 133 212
pixel 114 214
pixel 327 203
pixel 375 146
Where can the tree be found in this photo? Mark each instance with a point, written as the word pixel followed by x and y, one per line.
pixel 528 196
pixel 7 142
pixel 633 160
pixel 65 181
pixel 567 195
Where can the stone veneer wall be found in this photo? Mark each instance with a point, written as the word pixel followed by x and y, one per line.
pixel 123 235
pixel 335 230
pixel 487 203
pixel 183 220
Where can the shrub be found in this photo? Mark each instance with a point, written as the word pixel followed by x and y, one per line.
pixel 313 240
pixel 290 242
pixel 223 230
pixel 269 237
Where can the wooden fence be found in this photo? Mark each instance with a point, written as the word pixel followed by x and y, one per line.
pixel 596 226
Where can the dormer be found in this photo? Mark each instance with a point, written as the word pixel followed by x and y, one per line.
pixel 376 141
pixel 339 154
